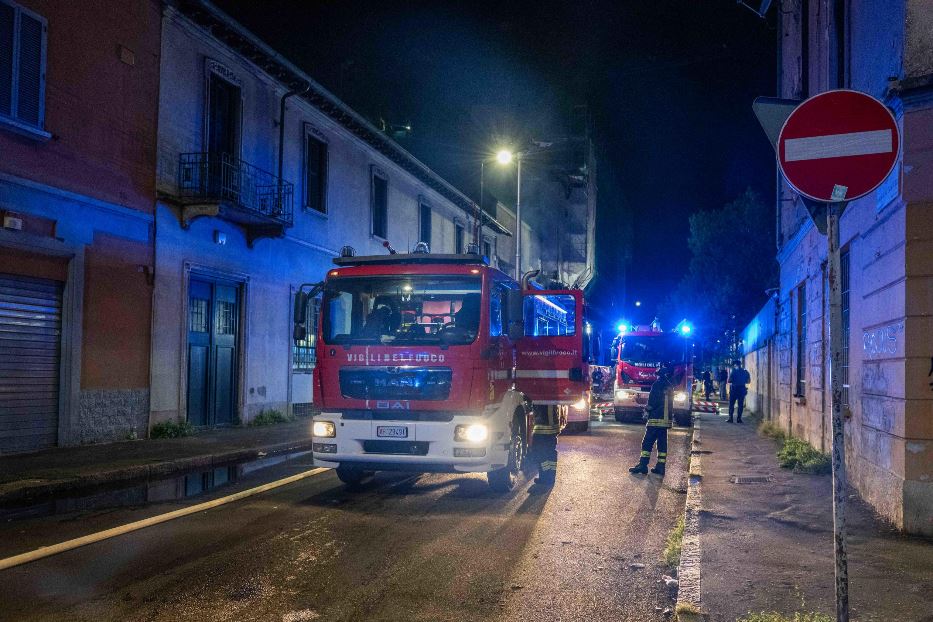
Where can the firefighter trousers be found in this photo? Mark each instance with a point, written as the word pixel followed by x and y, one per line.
pixel 544 444
pixel 544 453
pixel 654 434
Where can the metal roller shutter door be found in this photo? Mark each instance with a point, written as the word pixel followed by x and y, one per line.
pixel 30 347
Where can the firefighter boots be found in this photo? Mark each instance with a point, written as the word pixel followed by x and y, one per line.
pixel 658 469
pixel 641 467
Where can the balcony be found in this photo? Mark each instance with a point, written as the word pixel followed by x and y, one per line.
pixel 214 184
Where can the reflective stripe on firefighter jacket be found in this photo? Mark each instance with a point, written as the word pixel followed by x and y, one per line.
pixel 660 403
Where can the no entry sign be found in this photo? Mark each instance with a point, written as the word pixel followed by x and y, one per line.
pixel 838 146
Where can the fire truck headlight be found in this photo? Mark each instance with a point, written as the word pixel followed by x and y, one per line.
pixel 680 396
pixel 581 405
pixel 622 394
pixel 325 429
pixel 472 433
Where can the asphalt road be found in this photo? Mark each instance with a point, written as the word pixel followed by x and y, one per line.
pixel 433 547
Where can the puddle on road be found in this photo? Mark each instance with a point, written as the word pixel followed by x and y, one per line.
pixel 173 488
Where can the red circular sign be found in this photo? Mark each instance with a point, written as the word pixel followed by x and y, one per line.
pixel 838 146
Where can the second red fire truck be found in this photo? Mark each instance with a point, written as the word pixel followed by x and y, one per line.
pixel 637 352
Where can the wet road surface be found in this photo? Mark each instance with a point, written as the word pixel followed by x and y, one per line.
pixel 430 547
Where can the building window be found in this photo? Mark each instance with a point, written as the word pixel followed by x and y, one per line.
pixel 846 325
pixel 801 340
pixel 424 223
pixel 487 249
pixel 22 65
pixel 458 238
pixel 380 204
pixel 304 352
pixel 315 171
pixel 223 117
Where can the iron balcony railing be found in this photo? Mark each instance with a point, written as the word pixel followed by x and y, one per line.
pixel 246 188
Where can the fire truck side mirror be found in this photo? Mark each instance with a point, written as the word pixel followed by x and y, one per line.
pixel 515 314
pixel 301 307
pixel 299 331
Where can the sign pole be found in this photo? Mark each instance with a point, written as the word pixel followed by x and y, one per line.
pixel 836 336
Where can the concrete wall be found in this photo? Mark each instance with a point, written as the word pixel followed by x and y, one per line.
pixel 888 234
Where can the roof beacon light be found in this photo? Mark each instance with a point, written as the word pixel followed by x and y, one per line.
pixel 422 248
pixel 348 251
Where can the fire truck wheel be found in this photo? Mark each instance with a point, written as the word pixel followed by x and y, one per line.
pixel 353 477
pixel 684 420
pixel 504 479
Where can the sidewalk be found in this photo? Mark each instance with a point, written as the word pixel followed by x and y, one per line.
pixel 68 469
pixel 767 545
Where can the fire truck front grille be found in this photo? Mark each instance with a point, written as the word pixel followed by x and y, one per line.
pixel 407 448
pixel 395 383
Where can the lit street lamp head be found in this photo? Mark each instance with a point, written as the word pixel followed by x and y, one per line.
pixel 504 156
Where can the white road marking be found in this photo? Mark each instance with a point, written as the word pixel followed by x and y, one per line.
pixel 838 145
pixel 68 545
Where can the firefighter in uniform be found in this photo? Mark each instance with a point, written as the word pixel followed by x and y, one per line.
pixel 544 445
pixel 658 411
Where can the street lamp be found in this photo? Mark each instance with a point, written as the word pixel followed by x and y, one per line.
pixel 638 303
pixel 505 157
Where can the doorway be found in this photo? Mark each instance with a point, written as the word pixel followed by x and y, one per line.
pixel 213 330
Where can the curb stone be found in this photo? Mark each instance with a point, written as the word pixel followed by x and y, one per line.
pixel 142 472
pixel 688 572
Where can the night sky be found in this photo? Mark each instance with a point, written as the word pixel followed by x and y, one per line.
pixel 669 85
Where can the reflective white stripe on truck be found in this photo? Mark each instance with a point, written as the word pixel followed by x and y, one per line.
pixel 542 373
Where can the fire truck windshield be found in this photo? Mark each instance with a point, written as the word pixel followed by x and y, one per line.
pixel 401 310
pixel 650 351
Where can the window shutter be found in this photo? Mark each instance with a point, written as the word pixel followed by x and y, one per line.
pixel 29 99
pixel 7 18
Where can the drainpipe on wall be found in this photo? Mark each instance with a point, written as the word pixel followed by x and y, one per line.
pixel 780 93
pixel 291 93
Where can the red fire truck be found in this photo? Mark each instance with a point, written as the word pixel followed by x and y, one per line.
pixel 436 363
pixel 638 351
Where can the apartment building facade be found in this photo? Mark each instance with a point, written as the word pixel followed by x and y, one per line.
pixel 78 107
pixel 241 224
pixel 881 48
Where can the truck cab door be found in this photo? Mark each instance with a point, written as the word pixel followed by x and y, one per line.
pixel 550 363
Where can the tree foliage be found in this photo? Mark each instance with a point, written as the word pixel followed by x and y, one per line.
pixel 732 264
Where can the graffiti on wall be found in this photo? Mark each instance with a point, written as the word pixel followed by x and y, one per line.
pixel 882 342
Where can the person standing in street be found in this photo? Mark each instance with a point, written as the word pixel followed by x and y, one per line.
pixel 738 389
pixel 658 411
pixel 722 378
pixel 707 383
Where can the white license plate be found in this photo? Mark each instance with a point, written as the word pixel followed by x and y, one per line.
pixel 392 431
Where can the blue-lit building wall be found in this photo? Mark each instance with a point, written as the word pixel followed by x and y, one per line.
pixel 267 274
pixel 882 48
